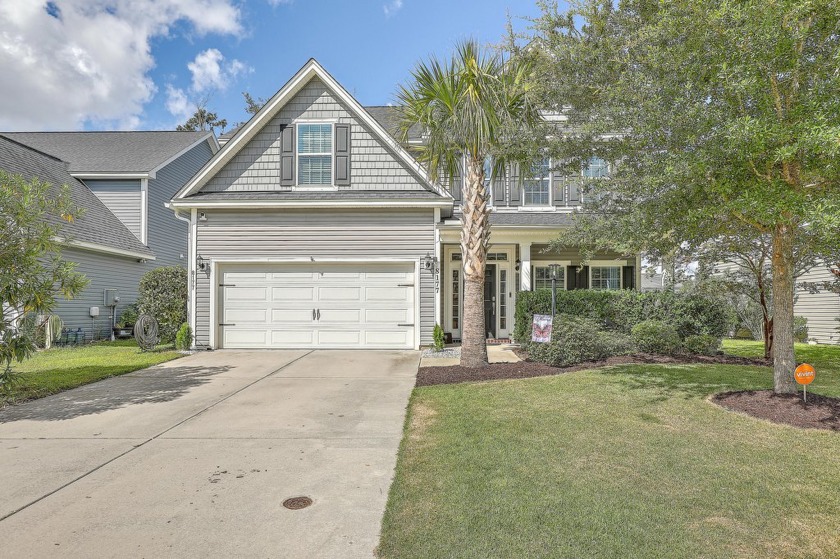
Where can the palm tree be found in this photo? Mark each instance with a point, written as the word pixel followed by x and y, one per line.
pixel 467 107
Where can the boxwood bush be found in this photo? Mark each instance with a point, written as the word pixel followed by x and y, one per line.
pixel 691 313
pixel 656 336
pixel 576 339
pixel 702 344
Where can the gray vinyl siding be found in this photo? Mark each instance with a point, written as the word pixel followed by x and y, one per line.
pixel 167 235
pixel 821 309
pixel 104 272
pixel 538 253
pixel 123 198
pixel 321 234
pixel 373 164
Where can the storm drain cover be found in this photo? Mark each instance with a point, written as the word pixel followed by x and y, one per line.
pixel 297 503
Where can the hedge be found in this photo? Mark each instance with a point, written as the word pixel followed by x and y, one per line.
pixel 163 295
pixel 691 314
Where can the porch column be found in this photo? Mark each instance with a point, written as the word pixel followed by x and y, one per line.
pixel 525 266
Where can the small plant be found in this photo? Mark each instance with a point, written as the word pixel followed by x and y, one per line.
pixel 702 344
pixel 656 336
pixel 437 337
pixel 183 339
pixel 129 316
pixel 800 329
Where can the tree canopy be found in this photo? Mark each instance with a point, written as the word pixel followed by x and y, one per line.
pixel 718 116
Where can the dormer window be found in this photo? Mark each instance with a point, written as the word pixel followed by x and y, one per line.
pixel 315 154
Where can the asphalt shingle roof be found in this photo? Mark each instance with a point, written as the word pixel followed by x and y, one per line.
pixel 97 225
pixel 389 118
pixel 109 152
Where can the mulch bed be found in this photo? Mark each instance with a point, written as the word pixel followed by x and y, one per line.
pixel 820 412
pixel 429 376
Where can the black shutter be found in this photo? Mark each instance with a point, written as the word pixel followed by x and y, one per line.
pixel 498 185
pixel 628 277
pixel 515 185
pixel 342 155
pixel 582 280
pixel 574 191
pixel 559 187
pixel 287 156
pixel 571 277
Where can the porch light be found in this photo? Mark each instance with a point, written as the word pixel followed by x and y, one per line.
pixel 553 269
pixel 202 264
pixel 430 263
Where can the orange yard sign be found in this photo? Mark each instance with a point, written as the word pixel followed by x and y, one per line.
pixel 804 374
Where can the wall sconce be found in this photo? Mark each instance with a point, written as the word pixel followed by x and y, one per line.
pixel 202 264
pixel 202 216
pixel 518 264
pixel 430 263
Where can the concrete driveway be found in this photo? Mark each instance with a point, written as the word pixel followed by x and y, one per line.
pixel 193 458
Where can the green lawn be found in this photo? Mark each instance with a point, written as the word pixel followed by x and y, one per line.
pixel 627 462
pixel 54 370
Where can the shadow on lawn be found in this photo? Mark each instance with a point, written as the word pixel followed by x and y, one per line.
pixel 689 381
pixel 155 385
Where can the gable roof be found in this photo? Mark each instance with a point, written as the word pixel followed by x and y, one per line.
pixel 247 132
pixel 97 228
pixel 112 152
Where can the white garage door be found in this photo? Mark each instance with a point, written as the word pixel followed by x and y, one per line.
pixel 317 305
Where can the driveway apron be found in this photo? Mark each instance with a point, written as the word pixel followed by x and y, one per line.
pixel 194 458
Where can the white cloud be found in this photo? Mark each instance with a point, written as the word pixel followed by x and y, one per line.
pixel 211 71
pixel 392 7
pixel 280 2
pixel 79 61
pixel 178 103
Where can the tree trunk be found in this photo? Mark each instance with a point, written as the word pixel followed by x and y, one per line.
pixel 475 236
pixel 784 360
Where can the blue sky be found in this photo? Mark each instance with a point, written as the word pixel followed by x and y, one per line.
pixel 143 64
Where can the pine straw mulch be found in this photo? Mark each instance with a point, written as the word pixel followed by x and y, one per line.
pixel 820 412
pixel 430 376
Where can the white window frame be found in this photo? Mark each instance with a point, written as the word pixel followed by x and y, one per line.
pixel 549 180
pixel 585 170
pixel 331 154
pixel 607 264
pixel 561 285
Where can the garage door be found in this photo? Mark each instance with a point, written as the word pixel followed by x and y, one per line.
pixel 317 305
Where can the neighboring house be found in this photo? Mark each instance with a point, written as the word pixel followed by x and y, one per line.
pixel 122 181
pixel 821 308
pixel 313 227
pixel 652 280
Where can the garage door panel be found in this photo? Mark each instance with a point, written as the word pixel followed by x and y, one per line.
pixel 339 337
pixel 339 293
pixel 288 293
pixel 355 305
pixel 292 338
pixel 291 315
pixel 246 315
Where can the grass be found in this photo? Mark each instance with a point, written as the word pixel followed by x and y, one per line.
pixel 626 462
pixel 54 370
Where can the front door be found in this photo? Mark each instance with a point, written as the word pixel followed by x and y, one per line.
pixel 490 300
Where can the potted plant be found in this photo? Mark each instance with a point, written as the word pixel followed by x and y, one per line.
pixel 124 328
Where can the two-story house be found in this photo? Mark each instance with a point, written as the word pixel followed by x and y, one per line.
pixel 313 227
pixel 123 182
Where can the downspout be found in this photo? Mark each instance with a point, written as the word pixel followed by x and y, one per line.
pixel 191 284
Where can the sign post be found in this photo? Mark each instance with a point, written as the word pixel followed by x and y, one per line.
pixel 804 375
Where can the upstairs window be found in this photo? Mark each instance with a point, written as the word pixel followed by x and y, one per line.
pixel 315 154
pixel 536 188
pixel 597 168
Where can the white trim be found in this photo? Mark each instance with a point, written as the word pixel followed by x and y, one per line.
pixel 214 146
pixel 113 176
pixel 214 287
pixel 314 187
pixel 144 211
pixel 105 250
pixel 607 264
pixel 309 70
pixel 192 238
pixel 439 290
pixel 340 203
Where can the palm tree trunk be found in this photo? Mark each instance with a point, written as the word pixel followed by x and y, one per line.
pixel 475 236
pixel 784 360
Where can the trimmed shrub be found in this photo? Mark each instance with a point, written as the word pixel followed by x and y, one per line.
pixel 702 344
pixel 163 295
pixel 800 329
pixel 575 339
pixel 438 338
pixel 692 314
pixel 183 339
pixel 656 336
